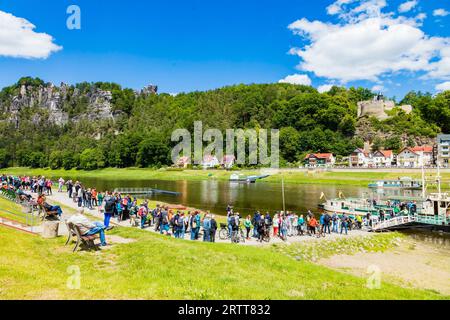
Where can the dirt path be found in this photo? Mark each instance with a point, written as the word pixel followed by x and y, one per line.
pixel 62 198
pixel 412 264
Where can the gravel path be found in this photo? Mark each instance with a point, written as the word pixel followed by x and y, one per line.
pixel 62 198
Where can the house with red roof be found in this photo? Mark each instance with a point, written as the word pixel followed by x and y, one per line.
pixel 383 158
pixel 415 157
pixel 360 158
pixel 319 160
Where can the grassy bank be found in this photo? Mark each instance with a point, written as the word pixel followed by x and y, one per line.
pixel 352 178
pixel 155 267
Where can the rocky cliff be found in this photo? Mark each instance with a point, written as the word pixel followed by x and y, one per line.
pixel 59 103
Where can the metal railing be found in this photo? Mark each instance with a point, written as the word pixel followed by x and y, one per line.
pixel 29 215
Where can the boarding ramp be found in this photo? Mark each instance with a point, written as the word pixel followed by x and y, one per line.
pixel 404 222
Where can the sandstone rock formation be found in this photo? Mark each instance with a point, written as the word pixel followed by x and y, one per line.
pixel 378 108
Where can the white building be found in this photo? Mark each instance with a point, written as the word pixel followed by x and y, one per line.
pixel 443 150
pixel 415 157
pixel 210 162
pixel 360 158
pixel 383 158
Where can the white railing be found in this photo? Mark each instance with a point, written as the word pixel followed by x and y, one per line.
pixel 393 222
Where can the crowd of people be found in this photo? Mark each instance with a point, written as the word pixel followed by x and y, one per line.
pixel 192 224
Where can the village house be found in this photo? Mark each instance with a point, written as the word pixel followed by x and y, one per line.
pixel 415 157
pixel 210 162
pixel 228 161
pixel 443 150
pixel 319 160
pixel 383 158
pixel 360 158
pixel 183 162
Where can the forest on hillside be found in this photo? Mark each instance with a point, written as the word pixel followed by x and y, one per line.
pixel 139 135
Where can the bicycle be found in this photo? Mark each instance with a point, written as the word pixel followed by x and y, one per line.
pixel 235 236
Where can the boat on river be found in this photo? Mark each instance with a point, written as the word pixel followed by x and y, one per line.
pixel 428 210
pixel 240 178
pixel 406 183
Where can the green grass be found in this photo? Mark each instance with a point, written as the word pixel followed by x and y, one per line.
pixel 157 267
pixel 290 176
pixel 323 248
pixel 12 211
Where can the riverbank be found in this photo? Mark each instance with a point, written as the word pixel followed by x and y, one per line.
pixel 168 268
pixel 349 177
pixel 410 263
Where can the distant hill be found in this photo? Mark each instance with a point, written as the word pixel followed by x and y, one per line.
pixel 92 125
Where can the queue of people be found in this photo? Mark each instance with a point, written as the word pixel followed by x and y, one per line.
pixel 193 225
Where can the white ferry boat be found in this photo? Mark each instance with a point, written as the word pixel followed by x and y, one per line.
pixel 401 183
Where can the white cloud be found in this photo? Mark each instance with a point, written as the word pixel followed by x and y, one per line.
pixel 325 88
pixel 19 40
pixel 378 88
pixel 368 43
pixel 297 79
pixel 440 13
pixel 407 6
pixel 443 86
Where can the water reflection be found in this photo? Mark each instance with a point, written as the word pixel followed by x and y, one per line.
pixel 215 195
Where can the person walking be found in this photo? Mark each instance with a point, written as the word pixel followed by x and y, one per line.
pixel 248 225
pixel 108 208
pixel 207 228
pixel 344 223
pixel 213 228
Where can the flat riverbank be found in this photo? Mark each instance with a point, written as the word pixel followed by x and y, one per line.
pixel 350 177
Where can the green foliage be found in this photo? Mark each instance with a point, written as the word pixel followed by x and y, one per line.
pixel 308 120
pixel 153 151
pixel 91 159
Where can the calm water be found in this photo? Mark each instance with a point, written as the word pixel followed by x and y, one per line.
pixel 215 195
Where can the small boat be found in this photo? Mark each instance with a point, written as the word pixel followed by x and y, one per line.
pixel 245 179
pixel 406 183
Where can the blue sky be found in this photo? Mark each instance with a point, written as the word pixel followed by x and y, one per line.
pixel 197 45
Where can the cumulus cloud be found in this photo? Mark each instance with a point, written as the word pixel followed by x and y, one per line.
pixel 443 86
pixel 19 40
pixel 325 88
pixel 407 6
pixel 440 13
pixel 378 88
pixel 297 79
pixel 367 43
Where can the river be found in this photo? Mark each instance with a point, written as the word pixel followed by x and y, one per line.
pixel 245 198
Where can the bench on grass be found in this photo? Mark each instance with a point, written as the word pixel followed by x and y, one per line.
pixel 74 232
pixel 47 213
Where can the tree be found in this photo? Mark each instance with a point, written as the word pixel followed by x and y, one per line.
pixel 289 143
pixel 55 160
pixel 91 159
pixel 153 151
pixel 4 158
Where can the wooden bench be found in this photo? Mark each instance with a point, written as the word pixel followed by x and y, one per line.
pixel 47 213
pixel 74 231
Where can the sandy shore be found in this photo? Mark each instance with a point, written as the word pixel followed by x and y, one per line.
pixel 413 264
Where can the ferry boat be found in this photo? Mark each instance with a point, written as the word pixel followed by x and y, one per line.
pixel 356 206
pixel 402 183
pixel 245 179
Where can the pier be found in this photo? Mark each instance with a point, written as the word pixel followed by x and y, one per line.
pixel 145 191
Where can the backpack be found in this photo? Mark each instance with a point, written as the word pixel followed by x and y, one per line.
pixel 109 205
pixel 233 222
pixel 194 222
